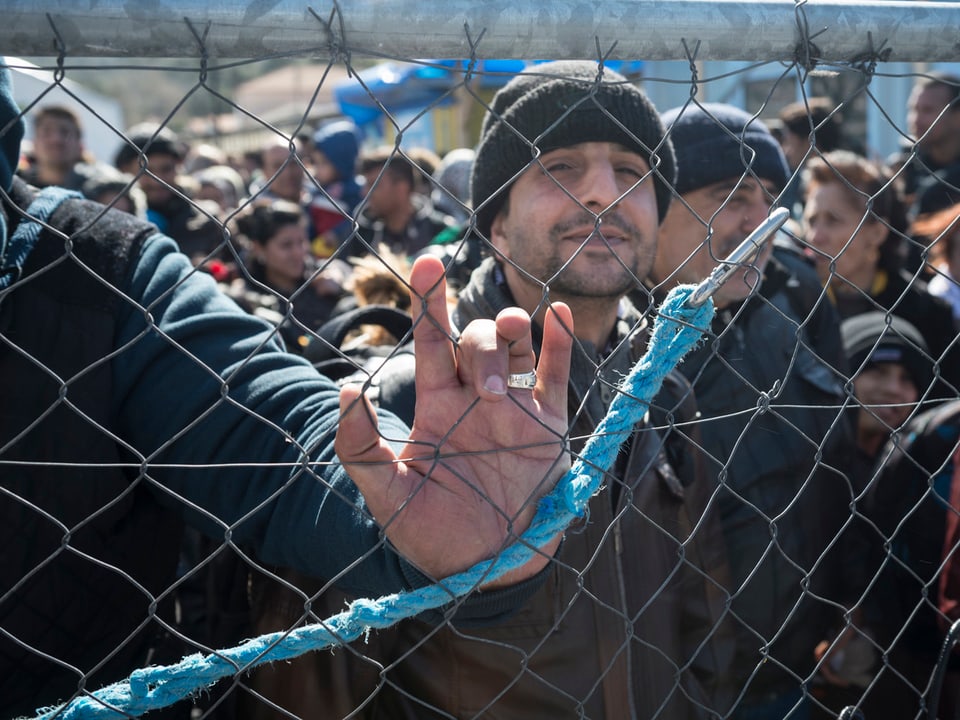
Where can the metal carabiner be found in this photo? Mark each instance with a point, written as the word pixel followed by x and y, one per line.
pixel 744 253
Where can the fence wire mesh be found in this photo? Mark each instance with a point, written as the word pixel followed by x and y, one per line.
pixel 777 539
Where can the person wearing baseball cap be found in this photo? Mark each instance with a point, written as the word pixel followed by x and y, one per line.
pixel 767 385
pixel 572 176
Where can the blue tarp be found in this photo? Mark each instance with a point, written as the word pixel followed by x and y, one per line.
pixel 408 86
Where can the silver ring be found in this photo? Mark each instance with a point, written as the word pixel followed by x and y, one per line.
pixel 522 381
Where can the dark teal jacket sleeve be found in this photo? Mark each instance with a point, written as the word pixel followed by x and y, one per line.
pixel 237 434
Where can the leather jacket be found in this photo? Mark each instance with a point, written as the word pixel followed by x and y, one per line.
pixel 769 385
pixel 631 620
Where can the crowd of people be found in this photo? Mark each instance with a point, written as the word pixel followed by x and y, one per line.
pixel 777 538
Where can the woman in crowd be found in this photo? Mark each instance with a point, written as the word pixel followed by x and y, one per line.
pixel 854 224
pixel 941 232
pixel 280 281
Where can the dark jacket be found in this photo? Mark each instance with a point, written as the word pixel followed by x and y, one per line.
pixel 915 169
pixel 631 621
pixel 908 506
pixel 196 233
pixel 309 311
pixel 769 399
pixel 70 480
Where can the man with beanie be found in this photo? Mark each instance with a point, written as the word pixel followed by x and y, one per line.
pixel 768 396
pixel 135 397
pixel 393 214
pixel 571 178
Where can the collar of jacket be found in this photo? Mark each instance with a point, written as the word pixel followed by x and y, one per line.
pixel 594 373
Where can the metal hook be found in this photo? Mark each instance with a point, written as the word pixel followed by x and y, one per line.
pixel 744 253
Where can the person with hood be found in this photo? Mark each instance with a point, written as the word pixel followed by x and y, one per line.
pixel 136 397
pixel 336 191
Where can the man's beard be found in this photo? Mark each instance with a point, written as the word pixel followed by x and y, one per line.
pixel 615 278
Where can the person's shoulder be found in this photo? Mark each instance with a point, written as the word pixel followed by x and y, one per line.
pixel 928 440
pixel 918 289
pixel 790 273
pixel 791 260
pixel 899 157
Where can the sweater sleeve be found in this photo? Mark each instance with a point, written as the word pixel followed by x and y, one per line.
pixel 237 434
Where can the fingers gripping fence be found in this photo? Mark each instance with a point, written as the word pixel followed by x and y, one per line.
pixel 679 327
pixel 758 560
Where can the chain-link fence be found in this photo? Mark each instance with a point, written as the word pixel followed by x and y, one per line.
pixel 776 537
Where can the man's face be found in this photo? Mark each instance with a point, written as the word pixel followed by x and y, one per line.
pixel 385 193
pixel 886 394
pixel 288 183
pixel 923 117
pixel 158 189
pixel 549 229
pixel 57 142
pixel 688 251
pixel 794 147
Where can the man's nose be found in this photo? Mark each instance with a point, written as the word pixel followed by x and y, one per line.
pixel 600 191
pixel 754 212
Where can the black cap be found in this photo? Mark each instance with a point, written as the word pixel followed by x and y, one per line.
pixel 875 337
pixel 716 142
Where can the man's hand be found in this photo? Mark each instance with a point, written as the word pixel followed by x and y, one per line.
pixel 480 454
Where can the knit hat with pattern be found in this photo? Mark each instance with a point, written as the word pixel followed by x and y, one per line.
pixel 874 338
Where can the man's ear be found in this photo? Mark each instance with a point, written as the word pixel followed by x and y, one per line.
pixel 498 233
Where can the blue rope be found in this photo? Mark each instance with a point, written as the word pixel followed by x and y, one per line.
pixel 677 329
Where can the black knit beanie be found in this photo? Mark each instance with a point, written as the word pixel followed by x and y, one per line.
pixel 716 142
pixel 556 105
pixel 869 338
